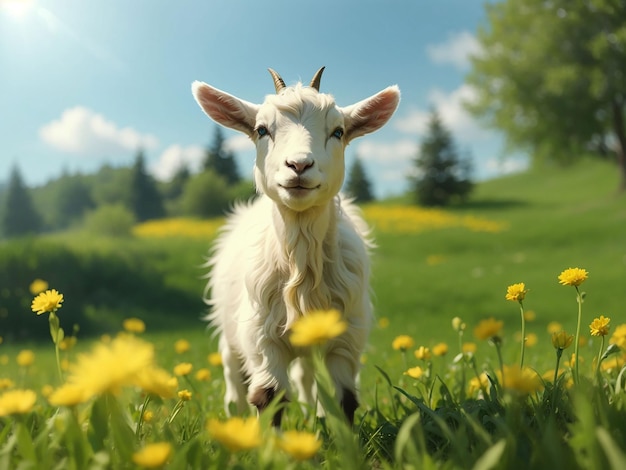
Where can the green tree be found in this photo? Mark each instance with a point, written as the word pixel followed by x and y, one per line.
pixel 357 184
pixel 221 161
pixel 145 200
pixel 551 76
pixel 441 176
pixel 19 216
pixel 73 199
pixel 205 195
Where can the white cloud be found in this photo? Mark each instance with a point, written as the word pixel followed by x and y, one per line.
pixel 456 50
pixel 505 166
pixel 82 131
pixel 394 152
pixel 174 157
pixel 239 143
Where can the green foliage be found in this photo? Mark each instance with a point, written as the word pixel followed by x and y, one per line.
pixel 113 220
pixel 145 200
pixel 19 216
pixel 442 177
pixel 221 161
pixel 357 184
pixel 551 76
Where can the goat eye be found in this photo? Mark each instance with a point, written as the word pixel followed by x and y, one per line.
pixel 338 133
pixel 262 131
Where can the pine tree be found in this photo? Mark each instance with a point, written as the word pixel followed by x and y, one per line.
pixel 441 175
pixel 145 199
pixel 357 184
pixel 221 161
pixel 19 216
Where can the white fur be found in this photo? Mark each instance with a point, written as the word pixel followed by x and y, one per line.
pixel 292 251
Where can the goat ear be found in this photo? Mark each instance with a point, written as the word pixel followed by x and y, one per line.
pixel 372 113
pixel 226 109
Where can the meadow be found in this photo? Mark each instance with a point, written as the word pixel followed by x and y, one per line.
pixel 425 402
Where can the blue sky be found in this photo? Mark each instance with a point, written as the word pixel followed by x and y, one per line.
pixel 83 83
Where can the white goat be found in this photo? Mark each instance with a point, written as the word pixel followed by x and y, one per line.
pixel 298 247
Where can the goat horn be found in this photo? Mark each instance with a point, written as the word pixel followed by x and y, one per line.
pixel 279 83
pixel 315 83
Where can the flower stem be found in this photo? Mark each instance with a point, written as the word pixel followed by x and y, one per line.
pixel 559 353
pixel 599 357
pixel 577 338
pixel 521 308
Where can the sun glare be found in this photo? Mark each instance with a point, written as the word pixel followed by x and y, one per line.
pixel 16 8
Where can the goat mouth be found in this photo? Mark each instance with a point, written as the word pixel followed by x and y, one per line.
pixel 299 188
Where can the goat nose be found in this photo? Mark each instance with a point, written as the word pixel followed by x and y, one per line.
pixel 299 166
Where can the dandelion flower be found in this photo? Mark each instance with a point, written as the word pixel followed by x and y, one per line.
pixel 423 353
pixel 134 325
pixel 184 368
pixel 182 346
pixel 383 322
pixel 156 381
pixel 523 380
pixel 147 416
pixel 317 327
pixel 68 343
pixel 469 348
pixel 68 395
pixel 554 327
pixel 488 328
pixel 414 372
pixel 402 343
pixel 600 326
pixel 299 444
pixel 619 336
pixel 203 375
pixel 48 301
pixel 516 292
pixel 236 433
pixel 440 349
pixel 25 358
pixel 215 359
pixel 477 384
pixel 184 395
pixel 17 402
pixel 38 286
pixel 6 383
pixel 573 277
pixel 457 324
pixel 530 315
pixel 562 340
pixel 153 455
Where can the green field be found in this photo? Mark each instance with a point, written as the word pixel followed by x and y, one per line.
pixel 551 219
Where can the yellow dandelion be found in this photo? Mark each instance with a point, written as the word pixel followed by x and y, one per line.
pixel 600 326
pixel 619 336
pixel 476 384
pixel 440 349
pixel 184 395
pixel 521 380
pixel 562 340
pixel 573 277
pixel 383 323
pixel 203 375
pixel 300 445
pixel 414 372
pixel 488 328
pixel 184 368
pixel 614 363
pixel 153 455
pixel 68 343
pixel 469 348
pixel 25 358
pixel 68 395
pixel 516 292
pixel 48 301
pixel 531 340
pixel 17 402
pixel 182 346
pixel 530 315
pixel 38 286
pixel 423 353
pixel 236 433
pixel 4 359
pixel 402 343
pixel 457 324
pixel 215 359
pixel 6 383
pixel 134 325
pixel 47 390
pixel 156 381
pixel 554 327
pixel 317 327
pixel 147 416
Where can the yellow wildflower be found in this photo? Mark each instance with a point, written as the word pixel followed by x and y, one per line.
pixel 203 375
pixel 573 277
pixel 619 336
pixel 68 395
pixel 147 416
pixel 153 455
pixel 522 380
pixel 47 390
pixel 300 445
pixel 423 353
pixel 16 402
pixel 477 384
pixel 317 327
pixel 562 340
pixel 516 292
pixel 402 343
pixel 530 315
pixel 215 359
pixel 469 348
pixel 68 343
pixel 6 383
pixel 600 326
pixel 414 372
pixel 383 323
pixel 25 358
pixel 615 362
pixel 457 324
pixel 236 433
pixel 182 346
pixel 184 395
pixel 488 328
pixel 48 301
pixel 184 368
pixel 554 327
pixel 4 359
pixel 440 349
pixel 134 325
pixel 156 381
pixel 38 286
